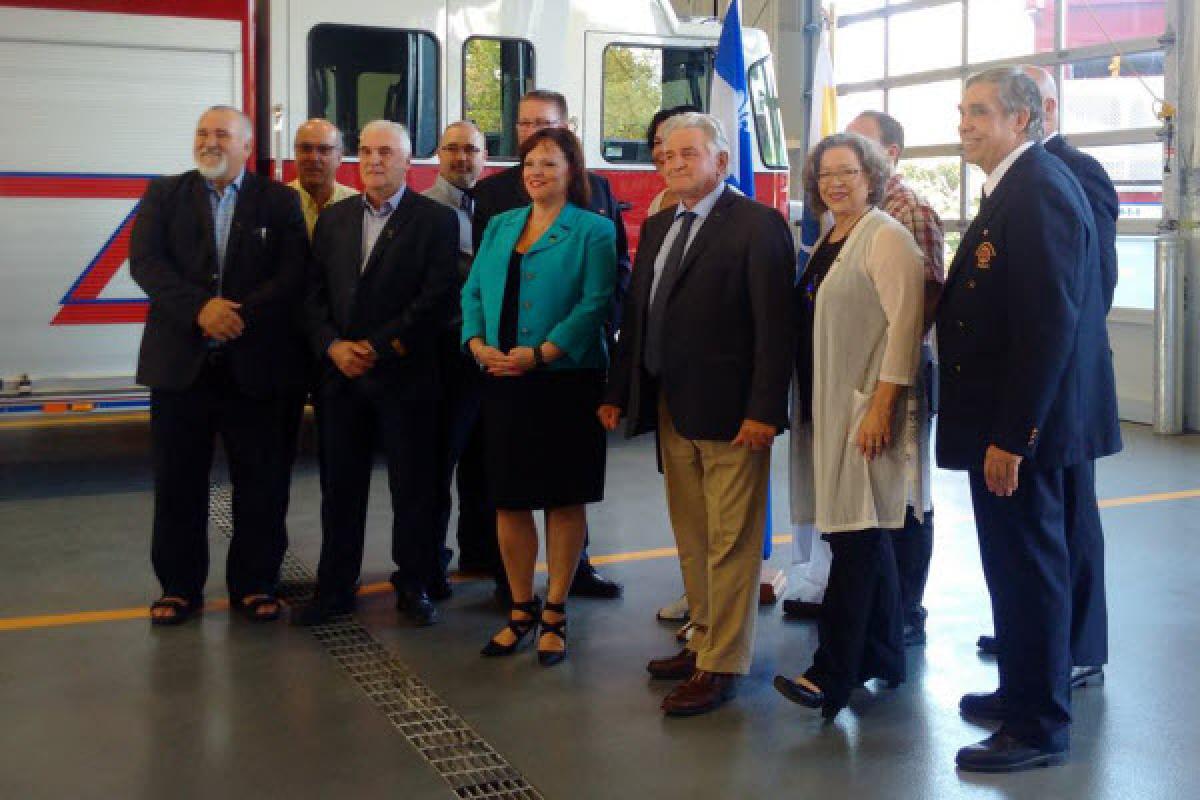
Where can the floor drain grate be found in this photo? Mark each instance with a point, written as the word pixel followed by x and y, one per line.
pixel 471 766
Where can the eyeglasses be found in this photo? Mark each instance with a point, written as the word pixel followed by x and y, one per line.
pixel 456 149
pixel 308 148
pixel 526 124
pixel 842 175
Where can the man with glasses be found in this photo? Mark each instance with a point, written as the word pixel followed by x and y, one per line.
pixel 502 192
pixel 319 150
pixel 462 154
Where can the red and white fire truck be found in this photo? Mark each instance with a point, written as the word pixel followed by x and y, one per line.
pixel 101 95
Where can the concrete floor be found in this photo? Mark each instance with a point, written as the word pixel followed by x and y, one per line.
pixel 116 709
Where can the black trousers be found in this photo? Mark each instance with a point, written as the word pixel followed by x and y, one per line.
pixel 184 426
pixel 1085 550
pixel 1022 541
pixel 913 546
pixel 354 419
pixel 860 631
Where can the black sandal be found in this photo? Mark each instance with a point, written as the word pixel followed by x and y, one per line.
pixel 249 605
pixel 520 628
pixel 548 658
pixel 181 610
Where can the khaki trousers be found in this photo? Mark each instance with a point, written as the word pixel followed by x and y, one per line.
pixel 717 499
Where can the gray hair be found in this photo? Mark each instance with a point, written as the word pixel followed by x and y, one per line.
pixel 1017 92
pixel 394 128
pixel 710 125
pixel 877 168
pixel 247 125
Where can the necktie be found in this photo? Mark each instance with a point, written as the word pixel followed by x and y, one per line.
pixel 658 305
pixel 467 202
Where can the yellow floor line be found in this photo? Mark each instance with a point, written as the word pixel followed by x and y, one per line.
pixel 383 587
pixel 78 418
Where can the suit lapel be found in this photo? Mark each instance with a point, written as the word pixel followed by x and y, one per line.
pixel 244 214
pixel 559 231
pixel 708 233
pixel 205 215
pixel 395 222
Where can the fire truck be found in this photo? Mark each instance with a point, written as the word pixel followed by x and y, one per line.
pixel 100 96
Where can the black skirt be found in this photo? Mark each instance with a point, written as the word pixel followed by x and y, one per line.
pixel 543 445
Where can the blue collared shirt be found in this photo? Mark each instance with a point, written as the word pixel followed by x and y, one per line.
pixel 374 221
pixel 702 209
pixel 223 205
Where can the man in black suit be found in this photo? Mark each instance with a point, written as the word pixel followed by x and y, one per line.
pixel 1085 535
pixel 502 192
pixel 705 359
pixel 382 290
pixel 221 253
pixel 1027 392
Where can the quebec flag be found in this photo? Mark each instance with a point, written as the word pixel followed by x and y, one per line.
pixel 822 121
pixel 730 100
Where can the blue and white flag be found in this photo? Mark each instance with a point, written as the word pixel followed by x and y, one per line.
pixel 730 100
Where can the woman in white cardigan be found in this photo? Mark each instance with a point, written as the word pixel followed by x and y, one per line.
pixel 860 303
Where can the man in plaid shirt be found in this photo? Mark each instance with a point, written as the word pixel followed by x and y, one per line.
pixel 914 544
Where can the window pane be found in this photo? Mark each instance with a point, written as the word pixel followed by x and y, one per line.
pixel 930 38
pixel 975 179
pixel 850 106
pixel 1104 94
pixel 1088 21
pixel 1136 170
pixel 1135 272
pixel 767 121
pixel 928 111
pixel 638 81
pixel 857 52
pixel 496 73
pixel 1007 28
pixel 937 181
pixel 358 74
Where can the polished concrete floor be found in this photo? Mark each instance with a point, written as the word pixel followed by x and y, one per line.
pixel 103 706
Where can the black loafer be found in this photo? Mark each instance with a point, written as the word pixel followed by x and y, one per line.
pixel 1083 677
pixel 416 607
pixel 983 705
pixel 1003 752
pixel 440 589
pixel 590 583
pixel 323 609
pixel 988 645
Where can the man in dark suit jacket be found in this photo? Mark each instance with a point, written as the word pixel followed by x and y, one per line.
pixel 381 292
pixel 1085 535
pixel 704 359
pixel 505 191
pixel 222 255
pixel 1027 391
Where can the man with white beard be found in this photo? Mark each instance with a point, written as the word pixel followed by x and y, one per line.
pixel 222 255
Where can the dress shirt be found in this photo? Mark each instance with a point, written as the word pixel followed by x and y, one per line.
pixel 910 210
pixel 374 222
pixel 463 205
pixel 702 209
pixel 309 205
pixel 223 205
pixel 993 178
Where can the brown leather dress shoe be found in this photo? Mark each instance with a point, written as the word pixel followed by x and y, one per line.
pixel 678 667
pixel 703 692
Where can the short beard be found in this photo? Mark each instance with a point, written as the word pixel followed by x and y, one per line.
pixel 214 171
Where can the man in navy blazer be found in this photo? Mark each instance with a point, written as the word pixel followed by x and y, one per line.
pixel 382 292
pixel 1027 392
pixel 1085 535
pixel 221 253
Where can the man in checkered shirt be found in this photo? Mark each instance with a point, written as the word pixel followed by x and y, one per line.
pixel 914 544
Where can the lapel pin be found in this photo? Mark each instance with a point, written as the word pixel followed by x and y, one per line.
pixel 984 255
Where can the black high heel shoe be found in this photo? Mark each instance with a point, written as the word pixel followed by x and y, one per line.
pixel 548 658
pixel 520 628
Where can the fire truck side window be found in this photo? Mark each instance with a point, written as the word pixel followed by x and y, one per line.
pixel 496 73
pixel 358 74
pixel 767 120
pixel 638 81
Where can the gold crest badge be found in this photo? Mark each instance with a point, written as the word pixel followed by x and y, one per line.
pixel 984 255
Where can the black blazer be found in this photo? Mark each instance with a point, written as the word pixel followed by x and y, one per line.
pixel 400 300
pixel 173 257
pixel 729 338
pixel 504 191
pixel 1021 330
pixel 1102 197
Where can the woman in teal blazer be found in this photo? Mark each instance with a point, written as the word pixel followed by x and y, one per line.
pixel 534 308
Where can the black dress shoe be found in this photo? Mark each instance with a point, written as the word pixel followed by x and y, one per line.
pixel 440 589
pixel 1003 752
pixel 795 608
pixel 983 705
pixel 988 645
pixel 590 583
pixel 323 609
pixel 1083 677
pixel 416 606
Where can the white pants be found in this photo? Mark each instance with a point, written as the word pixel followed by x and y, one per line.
pixel 810 564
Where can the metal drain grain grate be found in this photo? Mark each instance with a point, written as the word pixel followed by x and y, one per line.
pixel 470 765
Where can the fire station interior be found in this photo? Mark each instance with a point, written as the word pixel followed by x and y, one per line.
pixel 97 703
